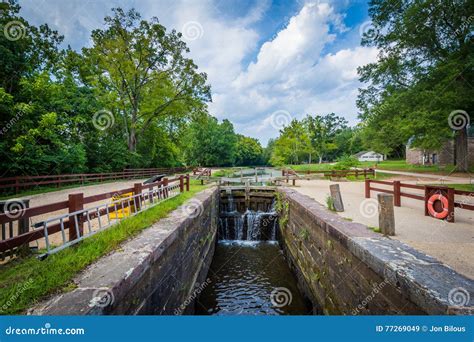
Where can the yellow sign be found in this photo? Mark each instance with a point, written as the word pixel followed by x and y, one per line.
pixel 126 211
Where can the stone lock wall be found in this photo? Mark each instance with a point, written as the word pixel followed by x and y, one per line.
pixel 156 273
pixel 345 268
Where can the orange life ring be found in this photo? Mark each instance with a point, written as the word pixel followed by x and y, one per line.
pixel 444 201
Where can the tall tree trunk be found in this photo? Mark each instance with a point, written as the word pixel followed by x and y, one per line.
pixel 132 140
pixel 461 154
pixel 309 161
pixel 320 159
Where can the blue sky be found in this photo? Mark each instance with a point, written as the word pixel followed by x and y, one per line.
pixel 267 61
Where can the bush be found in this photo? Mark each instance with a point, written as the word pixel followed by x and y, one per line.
pixel 346 163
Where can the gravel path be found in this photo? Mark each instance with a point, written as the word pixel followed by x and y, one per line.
pixel 451 243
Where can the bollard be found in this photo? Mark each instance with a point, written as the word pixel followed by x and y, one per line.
pixel 386 214
pixel 336 197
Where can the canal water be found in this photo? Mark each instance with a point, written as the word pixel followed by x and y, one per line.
pixel 249 274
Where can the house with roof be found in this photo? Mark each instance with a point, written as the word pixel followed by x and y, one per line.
pixel 369 156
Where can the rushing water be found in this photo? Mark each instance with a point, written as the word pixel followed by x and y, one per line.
pixel 251 278
pixel 249 274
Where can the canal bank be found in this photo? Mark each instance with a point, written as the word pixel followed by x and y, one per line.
pixel 339 267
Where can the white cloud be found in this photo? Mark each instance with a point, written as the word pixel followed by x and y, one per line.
pixel 292 71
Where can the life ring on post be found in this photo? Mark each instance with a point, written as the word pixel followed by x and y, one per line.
pixel 438 214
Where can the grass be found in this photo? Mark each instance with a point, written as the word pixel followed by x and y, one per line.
pixel 391 165
pixel 464 187
pixel 225 172
pixel 25 281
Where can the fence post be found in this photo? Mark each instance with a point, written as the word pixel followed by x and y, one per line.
pixel 450 217
pixel 17 185
pixel 367 188
pixel 137 190
pixel 165 185
pixel 76 203
pixel 336 197
pixel 365 173
pixel 187 182
pixel 397 199
pixel 386 214
pixel 181 183
pixel 357 173
pixel 293 181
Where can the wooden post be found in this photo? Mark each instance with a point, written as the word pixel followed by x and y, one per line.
pixel 336 197
pixel 365 173
pixel 357 173
pixel 293 181
pixel 17 185
pixel 24 223
pixel 397 198
pixel 386 214
pixel 181 183
pixel 187 182
pixel 165 184
pixel 450 217
pixel 76 203
pixel 137 190
pixel 367 188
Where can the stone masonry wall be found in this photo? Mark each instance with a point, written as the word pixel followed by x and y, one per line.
pixel 345 268
pixel 158 272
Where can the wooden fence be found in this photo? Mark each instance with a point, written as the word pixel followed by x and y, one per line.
pixel 397 190
pixel 18 183
pixel 75 202
pixel 332 173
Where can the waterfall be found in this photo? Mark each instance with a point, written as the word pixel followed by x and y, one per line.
pixel 250 225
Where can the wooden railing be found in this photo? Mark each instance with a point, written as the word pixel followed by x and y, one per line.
pixel 74 203
pixel 18 183
pixel 202 172
pixel 396 188
pixel 332 173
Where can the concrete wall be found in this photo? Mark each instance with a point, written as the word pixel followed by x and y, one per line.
pixel 345 268
pixel 157 272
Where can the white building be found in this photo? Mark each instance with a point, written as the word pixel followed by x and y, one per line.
pixel 369 156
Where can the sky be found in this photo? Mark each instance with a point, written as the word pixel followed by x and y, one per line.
pixel 267 61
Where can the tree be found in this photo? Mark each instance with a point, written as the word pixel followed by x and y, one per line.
pixel 140 69
pixel 322 131
pixel 292 146
pixel 248 151
pixel 424 72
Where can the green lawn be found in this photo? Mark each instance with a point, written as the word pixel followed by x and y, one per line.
pixel 23 282
pixel 392 165
pixel 464 187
